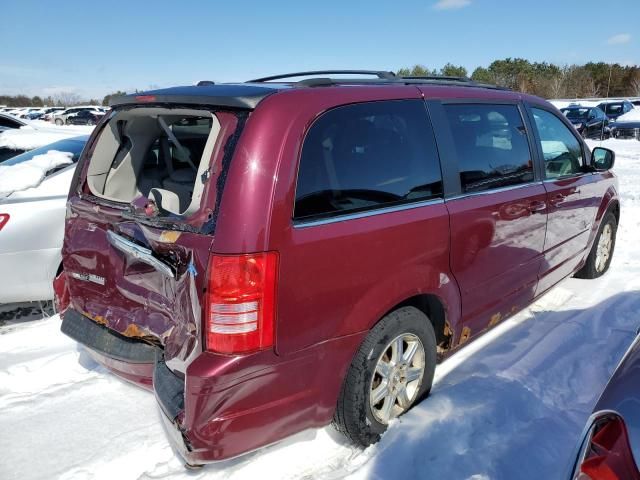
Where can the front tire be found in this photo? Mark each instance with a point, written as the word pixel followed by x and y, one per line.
pixel 601 253
pixel 59 122
pixel 391 372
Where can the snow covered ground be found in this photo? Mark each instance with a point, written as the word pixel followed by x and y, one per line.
pixel 510 405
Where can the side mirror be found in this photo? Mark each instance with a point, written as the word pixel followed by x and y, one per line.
pixel 602 159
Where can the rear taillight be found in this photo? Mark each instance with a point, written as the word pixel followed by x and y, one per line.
pixel 4 218
pixel 240 302
pixel 61 296
pixel 608 455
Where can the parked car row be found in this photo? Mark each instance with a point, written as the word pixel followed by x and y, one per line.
pixel 90 115
pixel 616 118
pixel 59 115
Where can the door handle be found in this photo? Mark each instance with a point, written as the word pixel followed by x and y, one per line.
pixel 537 206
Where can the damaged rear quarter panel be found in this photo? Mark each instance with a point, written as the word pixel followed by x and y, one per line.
pixel 136 300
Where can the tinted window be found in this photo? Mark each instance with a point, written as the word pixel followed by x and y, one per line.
pixel 561 149
pixel 491 145
pixel 612 108
pixel 365 156
pixel 9 123
pixel 576 113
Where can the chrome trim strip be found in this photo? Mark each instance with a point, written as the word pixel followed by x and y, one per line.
pixel 140 253
pixel 368 213
pixel 494 190
pixel 567 177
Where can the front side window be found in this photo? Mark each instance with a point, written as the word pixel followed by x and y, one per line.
pixel 491 145
pixel 561 149
pixel 365 156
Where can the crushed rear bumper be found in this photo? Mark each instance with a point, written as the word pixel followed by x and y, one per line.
pixel 226 405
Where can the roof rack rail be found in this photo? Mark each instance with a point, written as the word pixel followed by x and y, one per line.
pixel 442 78
pixel 449 80
pixel 382 75
pixel 320 78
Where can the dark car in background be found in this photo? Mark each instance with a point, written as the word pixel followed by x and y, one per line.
pixel 610 445
pixel 590 122
pixel 84 117
pixel 275 255
pixel 614 109
pixel 9 122
pixel 626 130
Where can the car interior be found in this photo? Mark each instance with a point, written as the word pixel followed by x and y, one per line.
pixel 157 153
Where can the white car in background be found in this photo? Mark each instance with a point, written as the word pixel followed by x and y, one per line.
pixel 33 196
pixel 60 118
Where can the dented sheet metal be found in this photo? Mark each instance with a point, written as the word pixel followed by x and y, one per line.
pixel 139 298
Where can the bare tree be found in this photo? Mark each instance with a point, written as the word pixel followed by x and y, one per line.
pixel 557 86
pixel 591 89
pixel 635 86
pixel 67 98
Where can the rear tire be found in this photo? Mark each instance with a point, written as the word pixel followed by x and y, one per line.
pixel 59 122
pixel 395 366
pixel 601 252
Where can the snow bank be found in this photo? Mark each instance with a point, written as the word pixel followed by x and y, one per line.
pixel 30 173
pixel 35 136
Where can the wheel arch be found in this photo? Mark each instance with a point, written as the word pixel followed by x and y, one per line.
pixel 434 307
pixel 610 202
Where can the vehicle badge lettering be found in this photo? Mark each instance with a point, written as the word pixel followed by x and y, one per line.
pixel 88 277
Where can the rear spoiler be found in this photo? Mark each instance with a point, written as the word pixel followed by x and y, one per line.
pixel 222 95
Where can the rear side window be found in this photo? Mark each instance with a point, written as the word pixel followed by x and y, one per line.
pixel 561 149
pixel 491 145
pixel 365 156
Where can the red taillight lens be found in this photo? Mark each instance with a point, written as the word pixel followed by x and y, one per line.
pixel 609 455
pixel 4 218
pixel 240 306
pixel 61 296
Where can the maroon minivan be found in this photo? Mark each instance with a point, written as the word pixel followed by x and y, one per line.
pixel 275 255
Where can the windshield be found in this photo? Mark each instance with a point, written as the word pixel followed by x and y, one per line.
pixel 71 145
pixel 576 113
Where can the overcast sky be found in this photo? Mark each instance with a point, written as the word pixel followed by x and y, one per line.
pixel 95 47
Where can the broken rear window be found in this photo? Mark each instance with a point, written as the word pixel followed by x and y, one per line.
pixel 161 156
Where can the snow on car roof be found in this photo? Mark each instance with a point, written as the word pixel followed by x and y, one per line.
pixel 630 116
pixel 34 136
pixel 29 174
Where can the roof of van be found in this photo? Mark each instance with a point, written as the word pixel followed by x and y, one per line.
pixel 248 95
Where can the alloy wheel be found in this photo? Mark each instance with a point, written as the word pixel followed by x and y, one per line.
pixel 603 251
pixel 397 377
